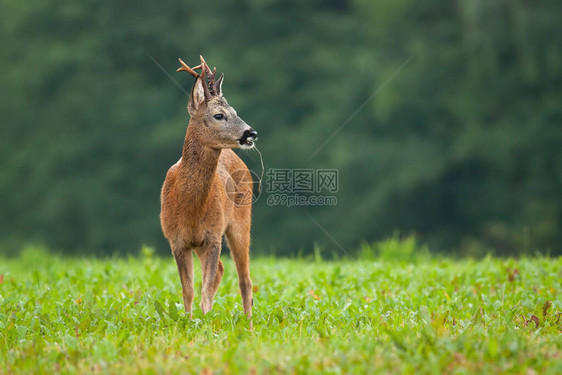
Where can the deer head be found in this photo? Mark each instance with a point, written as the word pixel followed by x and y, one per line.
pixel 215 120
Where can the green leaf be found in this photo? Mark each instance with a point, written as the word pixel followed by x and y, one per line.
pixel 160 310
pixel 173 311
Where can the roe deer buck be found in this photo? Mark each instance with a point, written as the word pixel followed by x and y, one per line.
pixel 208 192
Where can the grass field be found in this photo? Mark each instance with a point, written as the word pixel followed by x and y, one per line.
pixel 377 314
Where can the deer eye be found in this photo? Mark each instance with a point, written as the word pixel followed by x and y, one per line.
pixel 219 116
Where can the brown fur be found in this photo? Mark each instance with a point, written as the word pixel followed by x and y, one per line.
pixel 207 194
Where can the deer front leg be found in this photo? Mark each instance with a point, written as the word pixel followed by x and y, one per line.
pixel 239 243
pixel 184 261
pixel 212 270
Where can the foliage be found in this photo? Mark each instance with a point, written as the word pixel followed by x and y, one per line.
pixel 395 249
pixel 461 146
pixel 82 315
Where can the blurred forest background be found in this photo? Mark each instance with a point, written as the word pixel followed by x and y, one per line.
pixel 461 145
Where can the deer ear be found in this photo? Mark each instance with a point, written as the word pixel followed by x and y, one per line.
pixel 197 97
pixel 218 84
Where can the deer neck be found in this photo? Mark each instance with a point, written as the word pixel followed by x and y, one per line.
pixel 197 169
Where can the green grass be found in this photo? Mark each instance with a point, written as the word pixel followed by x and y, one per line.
pixel 375 315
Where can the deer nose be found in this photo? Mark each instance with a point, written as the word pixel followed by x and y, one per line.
pixel 250 133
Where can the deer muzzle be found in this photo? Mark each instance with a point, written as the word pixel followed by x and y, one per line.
pixel 248 138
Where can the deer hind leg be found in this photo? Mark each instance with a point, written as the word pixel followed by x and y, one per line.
pixel 212 270
pixel 184 261
pixel 239 243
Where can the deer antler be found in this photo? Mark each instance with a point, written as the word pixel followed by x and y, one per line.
pixel 211 76
pixel 211 86
pixel 204 69
pixel 184 67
